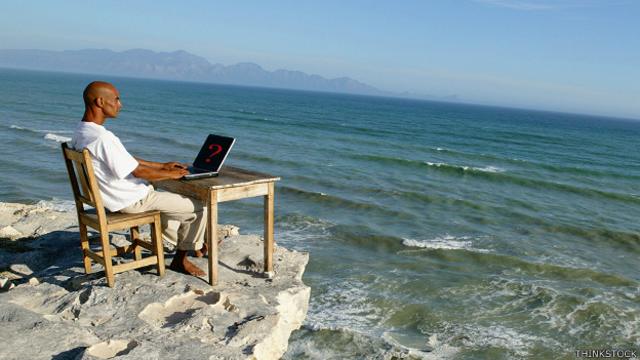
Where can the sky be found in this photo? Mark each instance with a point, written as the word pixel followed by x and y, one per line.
pixel 560 55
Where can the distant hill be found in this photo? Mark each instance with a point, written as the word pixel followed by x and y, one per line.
pixel 177 65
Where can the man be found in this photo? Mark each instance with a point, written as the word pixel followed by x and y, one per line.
pixel 122 179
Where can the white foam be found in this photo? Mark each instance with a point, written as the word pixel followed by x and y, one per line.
pixel 506 338
pixel 447 242
pixel 41 131
pixel 491 169
pixel 421 347
pixel 297 229
pixel 57 205
pixel 57 138
pixel 347 305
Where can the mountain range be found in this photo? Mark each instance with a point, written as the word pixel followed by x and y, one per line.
pixel 177 65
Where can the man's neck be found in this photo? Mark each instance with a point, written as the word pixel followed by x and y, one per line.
pixel 94 118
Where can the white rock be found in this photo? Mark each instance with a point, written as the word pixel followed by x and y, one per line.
pixel 10 232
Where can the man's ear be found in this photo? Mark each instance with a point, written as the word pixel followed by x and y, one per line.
pixel 99 102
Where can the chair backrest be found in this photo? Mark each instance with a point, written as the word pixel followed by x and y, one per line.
pixel 83 181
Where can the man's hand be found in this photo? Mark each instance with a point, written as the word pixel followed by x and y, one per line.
pixel 177 173
pixel 173 165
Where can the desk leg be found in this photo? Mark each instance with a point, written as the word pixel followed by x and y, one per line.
pixel 212 234
pixel 268 231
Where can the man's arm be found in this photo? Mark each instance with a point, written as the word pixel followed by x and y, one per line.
pixel 150 173
pixel 158 165
pixel 155 171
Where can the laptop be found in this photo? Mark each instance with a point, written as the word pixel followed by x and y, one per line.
pixel 212 155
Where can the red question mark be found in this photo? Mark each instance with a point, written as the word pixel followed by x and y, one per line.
pixel 214 152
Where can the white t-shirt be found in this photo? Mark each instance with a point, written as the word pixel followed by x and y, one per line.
pixel 112 165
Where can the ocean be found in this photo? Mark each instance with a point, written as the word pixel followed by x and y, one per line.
pixel 464 231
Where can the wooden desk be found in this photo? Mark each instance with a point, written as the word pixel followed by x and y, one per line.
pixel 231 184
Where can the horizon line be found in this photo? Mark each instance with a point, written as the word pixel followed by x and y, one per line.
pixel 398 97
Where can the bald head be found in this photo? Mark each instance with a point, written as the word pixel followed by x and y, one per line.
pixel 101 101
pixel 95 90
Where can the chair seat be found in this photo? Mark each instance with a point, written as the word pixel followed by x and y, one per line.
pixel 117 220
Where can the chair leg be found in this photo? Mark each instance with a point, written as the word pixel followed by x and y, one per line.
pixel 106 256
pixel 84 244
pixel 156 238
pixel 135 235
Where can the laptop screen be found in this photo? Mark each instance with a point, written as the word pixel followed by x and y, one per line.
pixel 213 152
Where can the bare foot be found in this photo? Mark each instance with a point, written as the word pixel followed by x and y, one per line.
pixel 181 264
pixel 205 249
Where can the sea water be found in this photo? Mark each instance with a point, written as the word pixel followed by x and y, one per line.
pixel 467 231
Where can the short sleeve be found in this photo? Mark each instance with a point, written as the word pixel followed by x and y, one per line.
pixel 112 153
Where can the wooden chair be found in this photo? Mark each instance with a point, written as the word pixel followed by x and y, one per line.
pixel 104 222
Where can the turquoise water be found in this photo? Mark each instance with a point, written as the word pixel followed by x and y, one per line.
pixel 478 232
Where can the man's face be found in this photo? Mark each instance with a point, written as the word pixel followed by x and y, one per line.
pixel 112 105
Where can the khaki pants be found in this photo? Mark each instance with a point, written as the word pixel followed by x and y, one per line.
pixel 190 213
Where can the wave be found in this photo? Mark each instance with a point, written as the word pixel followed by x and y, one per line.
pixel 57 138
pixel 491 169
pixel 362 236
pixel 296 229
pixel 520 163
pixel 491 260
pixel 39 131
pixel 512 341
pixel 563 313
pixel 496 174
pixel 359 188
pixel 627 240
pixel 440 165
pixel 446 242
pixel 318 343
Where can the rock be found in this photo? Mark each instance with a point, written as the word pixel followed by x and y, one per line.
pixel 37 219
pixel 5 284
pixel 62 313
pixel 225 231
pixel 21 269
pixel 118 240
pixel 10 233
pixel 111 348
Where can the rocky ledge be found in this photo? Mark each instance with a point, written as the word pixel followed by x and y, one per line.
pixel 49 309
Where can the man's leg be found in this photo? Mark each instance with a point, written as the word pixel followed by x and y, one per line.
pixel 190 213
